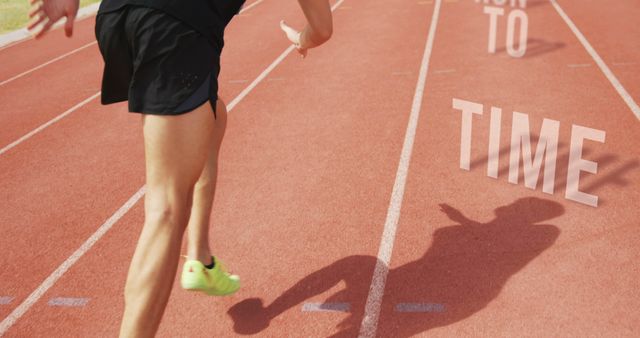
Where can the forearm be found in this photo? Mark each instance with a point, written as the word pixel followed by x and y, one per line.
pixel 320 23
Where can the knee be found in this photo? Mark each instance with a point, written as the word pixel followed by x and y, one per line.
pixel 167 208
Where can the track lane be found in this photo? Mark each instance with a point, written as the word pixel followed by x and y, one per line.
pixel 50 177
pixel 612 31
pixel 505 259
pixel 26 55
pixel 293 171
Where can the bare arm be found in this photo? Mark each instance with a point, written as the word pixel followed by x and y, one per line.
pixel 319 26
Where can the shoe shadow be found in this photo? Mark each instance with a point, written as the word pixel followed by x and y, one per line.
pixel 463 270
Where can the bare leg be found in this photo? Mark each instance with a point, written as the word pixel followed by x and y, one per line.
pixel 176 149
pixel 203 193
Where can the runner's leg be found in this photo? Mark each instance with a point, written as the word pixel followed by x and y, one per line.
pixel 176 149
pixel 203 194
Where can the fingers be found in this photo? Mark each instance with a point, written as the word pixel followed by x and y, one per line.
pixel 68 26
pixel 35 10
pixel 303 53
pixel 44 29
pixel 36 21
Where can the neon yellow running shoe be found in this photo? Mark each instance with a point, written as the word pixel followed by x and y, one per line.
pixel 214 282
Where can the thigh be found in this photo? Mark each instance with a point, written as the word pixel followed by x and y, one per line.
pixel 176 149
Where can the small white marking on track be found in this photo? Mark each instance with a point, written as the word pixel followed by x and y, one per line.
pixel 69 302
pixel 444 71
pixel 238 81
pixel 4 300
pixel 579 65
pixel 420 307
pixel 326 307
pixel 624 63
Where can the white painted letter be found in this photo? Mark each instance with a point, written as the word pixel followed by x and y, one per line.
pixel 547 147
pixel 577 164
pixel 511 28
pixel 494 142
pixel 523 3
pixel 467 108
pixel 493 23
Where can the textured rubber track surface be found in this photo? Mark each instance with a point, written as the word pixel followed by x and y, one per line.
pixel 307 169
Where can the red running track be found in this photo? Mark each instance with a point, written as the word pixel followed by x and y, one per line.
pixel 306 180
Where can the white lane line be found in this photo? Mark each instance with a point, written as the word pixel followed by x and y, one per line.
pixel 266 72
pixel 372 309
pixel 420 307
pixel 68 302
pixel 45 125
pixel 4 300
pixel 244 9
pixel 624 63
pixel 53 278
pixel 47 63
pixel 326 307
pixel 603 66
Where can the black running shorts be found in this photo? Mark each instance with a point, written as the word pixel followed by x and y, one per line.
pixel 158 63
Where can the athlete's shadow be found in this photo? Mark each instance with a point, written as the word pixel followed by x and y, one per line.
pixel 465 268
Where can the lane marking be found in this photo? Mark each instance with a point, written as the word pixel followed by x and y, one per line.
pixel 579 65
pixel 47 124
pixel 244 9
pixel 372 309
pixel 420 307
pixel 88 45
pixel 444 71
pixel 4 300
pixel 603 66
pixel 326 307
pixel 275 79
pixel 68 302
pixel 624 63
pixel 18 312
pixel 48 63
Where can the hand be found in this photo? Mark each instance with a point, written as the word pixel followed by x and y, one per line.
pixel 49 12
pixel 293 36
pixel 453 214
